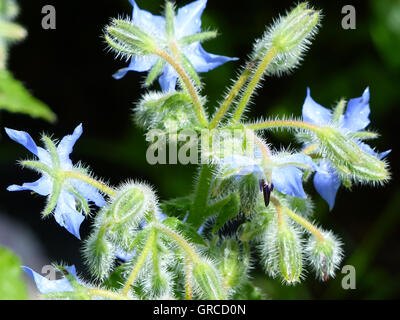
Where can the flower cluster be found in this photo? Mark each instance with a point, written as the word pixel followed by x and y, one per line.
pixel 251 196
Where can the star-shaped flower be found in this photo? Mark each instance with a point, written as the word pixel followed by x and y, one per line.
pixel 356 118
pixel 187 22
pixel 286 173
pixel 46 286
pixel 67 196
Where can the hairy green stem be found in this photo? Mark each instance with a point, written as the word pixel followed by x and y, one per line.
pixel 139 264
pixel 253 83
pixel 230 98
pixel 201 114
pixel 97 184
pixel 273 124
pixel 106 294
pixel 199 205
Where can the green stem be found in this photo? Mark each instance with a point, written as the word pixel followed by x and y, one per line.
pixel 273 124
pixel 188 280
pixel 139 264
pixel 106 294
pixel 230 98
pixel 253 83
pixel 201 115
pixel 198 209
pixel 304 223
pixel 190 251
pixel 97 184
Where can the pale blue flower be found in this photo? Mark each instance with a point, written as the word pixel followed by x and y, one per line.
pixel 355 118
pixel 66 212
pixel 286 170
pixel 187 22
pixel 46 286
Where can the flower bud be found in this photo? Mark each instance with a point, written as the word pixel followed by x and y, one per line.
pixel 232 263
pixel 99 254
pixel 130 205
pixel 282 252
pixel 289 38
pixel 348 158
pixel 324 255
pixel 165 111
pixel 208 281
pixel 126 38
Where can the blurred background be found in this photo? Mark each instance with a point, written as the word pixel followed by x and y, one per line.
pixel 70 69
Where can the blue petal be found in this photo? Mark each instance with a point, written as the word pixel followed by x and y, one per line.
pixel 42 186
pixel 151 24
pixel 366 148
pixel 327 182
pixel 139 64
pixel 66 146
pixel 357 113
pixel 188 18
pixel 289 180
pixel 23 138
pixel 314 112
pixel 125 256
pixel 46 286
pixel 168 79
pixel 246 165
pixel 66 214
pixel 203 61
pixel 88 192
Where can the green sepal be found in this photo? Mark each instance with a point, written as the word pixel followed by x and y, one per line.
pixel 53 198
pixel 155 71
pixel 198 37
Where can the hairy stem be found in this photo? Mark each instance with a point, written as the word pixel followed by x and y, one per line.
pixel 190 251
pixel 106 294
pixel 300 220
pixel 253 83
pixel 139 264
pixel 97 184
pixel 230 98
pixel 198 209
pixel 188 280
pixel 273 124
pixel 201 115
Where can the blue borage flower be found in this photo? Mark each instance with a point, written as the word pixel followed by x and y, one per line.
pixel 356 118
pixel 72 191
pixel 285 170
pixel 46 286
pixel 187 22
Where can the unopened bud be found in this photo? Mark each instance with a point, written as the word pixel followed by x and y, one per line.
pixel 208 281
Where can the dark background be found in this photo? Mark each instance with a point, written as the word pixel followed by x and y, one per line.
pixel 70 69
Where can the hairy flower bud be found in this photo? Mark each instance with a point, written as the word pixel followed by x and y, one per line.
pixel 130 205
pixel 324 255
pixel 289 37
pixel 99 253
pixel 128 39
pixel 208 281
pixel 165 111
pixel 348 157
pixel 282 252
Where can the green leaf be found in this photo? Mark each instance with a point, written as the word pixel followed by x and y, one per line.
pixel 186 230
pixel 116 279
pixel 177 207
pixel 228 211
pixel 12 286
pixel 15 98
